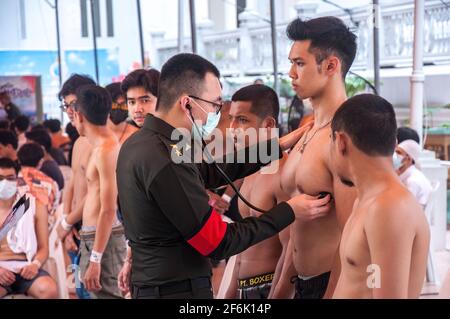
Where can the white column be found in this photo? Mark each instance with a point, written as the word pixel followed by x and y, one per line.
pixel 202 11
pixel 418 77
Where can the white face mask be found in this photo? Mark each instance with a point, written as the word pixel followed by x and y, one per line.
pixel 397 161
pixel 7 189
pixel 211 123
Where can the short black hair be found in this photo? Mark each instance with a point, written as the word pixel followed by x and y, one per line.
pixel 41 137
pixel 72 132
pixel 329 36
pixel 183 74
pixel 6 162
pixel 5 124
pixel 53 125
pixel 114 90
pixel 263 98
pixel 8 137
pixel 370 122
pixel 30 154
pixel 73 83
pixel 406 133
pixel 148 79
pixel 22 123
pixel 95 103
pixel 37 127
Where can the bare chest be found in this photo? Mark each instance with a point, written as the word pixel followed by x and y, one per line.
pixel 354 249
pixel 307 172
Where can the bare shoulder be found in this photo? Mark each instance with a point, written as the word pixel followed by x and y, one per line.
pixel 82 143
pixel 394 209
pixel 108 152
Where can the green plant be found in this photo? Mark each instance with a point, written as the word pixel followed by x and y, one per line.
pixel 354 85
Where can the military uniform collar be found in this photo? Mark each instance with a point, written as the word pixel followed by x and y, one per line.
pixel 159 126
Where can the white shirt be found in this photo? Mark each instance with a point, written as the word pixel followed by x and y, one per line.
pixel 417 184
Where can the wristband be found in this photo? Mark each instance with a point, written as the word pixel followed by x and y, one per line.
pixel 66 226
pixel 37 263
pixel 226 198
pixel 96 257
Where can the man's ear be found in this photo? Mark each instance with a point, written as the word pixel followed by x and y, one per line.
pixel 342 143
pixel 79 115
pixel 269 122
pixel 185 103
pixel 333 65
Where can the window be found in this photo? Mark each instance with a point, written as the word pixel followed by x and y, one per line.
pixel 240 7
pixel 84 17
pixel 109 18
pixel 23 25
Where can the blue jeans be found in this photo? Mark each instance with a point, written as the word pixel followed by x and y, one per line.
pixel 82 293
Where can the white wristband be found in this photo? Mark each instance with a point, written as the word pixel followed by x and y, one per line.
pixel 96 257
pixel 226 198
pixel 65 225
pixel 37 263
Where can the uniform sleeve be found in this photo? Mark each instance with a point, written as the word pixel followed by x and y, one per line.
pixel 241 163
pixel 180 194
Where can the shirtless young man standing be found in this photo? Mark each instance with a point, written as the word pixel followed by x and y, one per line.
pixel 256 107
pixel 384 246
pixel 75 190
pixel 103 246
pixel 321 55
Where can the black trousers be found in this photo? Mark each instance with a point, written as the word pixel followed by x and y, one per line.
pixel 197 288
pixel 313 288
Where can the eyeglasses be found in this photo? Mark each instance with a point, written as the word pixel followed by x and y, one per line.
pixel 217 106
pixel 10 178
pixel 65 106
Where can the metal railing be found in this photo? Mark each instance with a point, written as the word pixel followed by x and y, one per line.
pixel 247 50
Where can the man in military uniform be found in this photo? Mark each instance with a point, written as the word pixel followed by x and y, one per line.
pixel 170 226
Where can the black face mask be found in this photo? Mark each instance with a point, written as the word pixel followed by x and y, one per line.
pixel 118 116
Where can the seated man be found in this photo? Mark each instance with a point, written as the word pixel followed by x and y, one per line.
pixel 54 128
pixel 405 162
pixel 51 162
pixel 21 124
pixel 25 247
pixel 34 181
pixel 8 145
pixel 384 244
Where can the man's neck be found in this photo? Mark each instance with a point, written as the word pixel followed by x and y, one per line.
pixel 119 128
pixel 380 173
pixel 97 135
pixel 404 168
pixel 13 156
pixel 173 118
pixel 7 203
pixel 327 103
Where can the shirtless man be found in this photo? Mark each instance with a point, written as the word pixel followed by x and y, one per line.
pixel 103 246
pixel 75 190
pixel 384 246
pixel 119 113
pixel 257 107
pixel 321 55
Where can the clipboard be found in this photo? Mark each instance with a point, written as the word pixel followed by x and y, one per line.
pixel 18 210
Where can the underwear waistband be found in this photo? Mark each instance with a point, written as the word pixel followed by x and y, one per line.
pixel 255 280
